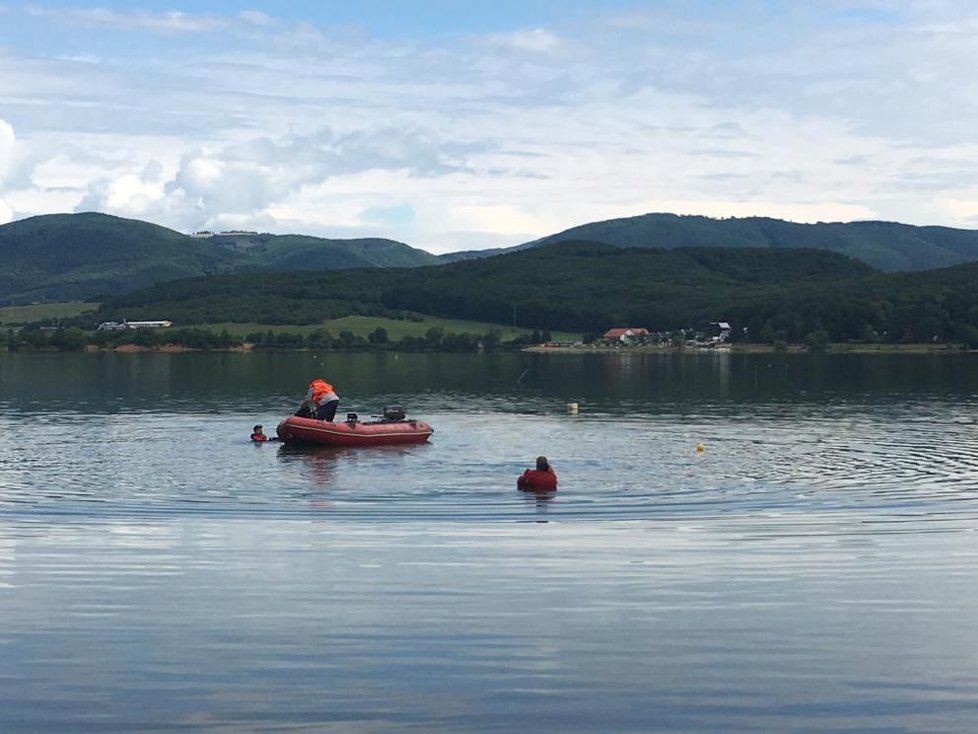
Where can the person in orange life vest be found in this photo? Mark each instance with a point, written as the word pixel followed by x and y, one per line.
pixel 542 478
pixel 320 402
pixel 258 434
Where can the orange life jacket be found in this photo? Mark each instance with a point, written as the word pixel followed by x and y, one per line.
pixel 535 479
pixel 319 388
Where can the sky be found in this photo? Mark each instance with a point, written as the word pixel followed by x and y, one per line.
pixel 465 124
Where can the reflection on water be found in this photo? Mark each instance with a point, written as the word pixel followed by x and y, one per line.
pixel 317 463
pixel 618 384
pixel 813 569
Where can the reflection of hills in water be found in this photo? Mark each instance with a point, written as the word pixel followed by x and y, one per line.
pixel 269 386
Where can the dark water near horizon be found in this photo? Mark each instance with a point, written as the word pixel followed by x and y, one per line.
pixel 814 569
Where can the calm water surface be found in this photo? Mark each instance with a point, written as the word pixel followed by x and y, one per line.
pixel 814 569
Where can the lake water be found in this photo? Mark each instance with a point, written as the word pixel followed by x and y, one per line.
pixel 814 569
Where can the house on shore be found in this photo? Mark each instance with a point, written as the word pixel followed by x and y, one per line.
pixel 626 336
pixel 723 327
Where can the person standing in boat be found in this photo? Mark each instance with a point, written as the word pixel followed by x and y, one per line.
pixel 541 479
pixel 320 402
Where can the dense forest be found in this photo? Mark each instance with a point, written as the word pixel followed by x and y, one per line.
pixel 766 295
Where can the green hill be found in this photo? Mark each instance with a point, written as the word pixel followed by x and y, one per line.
pixel 765 294
pixel 64 257
pixel 301 252
pixel 887 246
pixel 572 286
pixel 91 256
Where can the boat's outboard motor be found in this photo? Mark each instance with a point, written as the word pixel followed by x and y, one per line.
pixel 393 413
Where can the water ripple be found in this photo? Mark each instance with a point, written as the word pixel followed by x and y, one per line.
pixel 855 462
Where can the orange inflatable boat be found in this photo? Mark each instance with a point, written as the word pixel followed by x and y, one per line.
pixel 393 428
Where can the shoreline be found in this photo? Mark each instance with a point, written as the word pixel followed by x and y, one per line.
pixel 247 347
pixel 836 348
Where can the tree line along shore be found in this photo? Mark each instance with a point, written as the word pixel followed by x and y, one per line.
pixel 435 339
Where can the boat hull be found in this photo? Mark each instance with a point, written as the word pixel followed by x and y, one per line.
pixel 326 433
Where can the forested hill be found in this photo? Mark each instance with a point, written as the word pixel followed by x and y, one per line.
pixel 574 286
pixel 766 294
pixel 887 246
pixel 81 256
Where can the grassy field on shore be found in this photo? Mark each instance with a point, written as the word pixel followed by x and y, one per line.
pixel 396 328
pixel 358 325
pixel 16 315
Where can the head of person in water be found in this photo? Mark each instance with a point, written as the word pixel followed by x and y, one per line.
pixel 542 463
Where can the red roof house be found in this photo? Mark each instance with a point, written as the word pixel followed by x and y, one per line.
pixel 626 334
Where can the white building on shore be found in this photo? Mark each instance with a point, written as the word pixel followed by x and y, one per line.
pixel 123 325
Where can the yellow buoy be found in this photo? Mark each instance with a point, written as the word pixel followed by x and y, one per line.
pixel 572 408
pixel 700 448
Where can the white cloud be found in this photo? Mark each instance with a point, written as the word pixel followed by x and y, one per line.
pixel 529 39
pixel 7 141
pixel 6 213
pixel 506 219
pixel 257 18
pixel 173 21
pixel 200 174
pixel 508 136
pixel 80 59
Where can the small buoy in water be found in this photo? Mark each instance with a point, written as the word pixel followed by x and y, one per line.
pixel 572 408
pixel 700 448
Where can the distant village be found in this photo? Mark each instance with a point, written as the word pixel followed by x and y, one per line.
pixel 619 336
pixel 634 336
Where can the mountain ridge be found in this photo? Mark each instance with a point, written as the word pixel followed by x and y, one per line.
pixel 886 246
pixel 90 255
pixel 85 255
